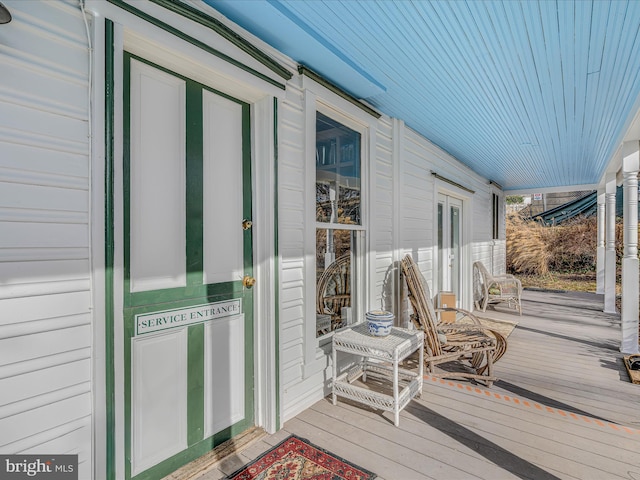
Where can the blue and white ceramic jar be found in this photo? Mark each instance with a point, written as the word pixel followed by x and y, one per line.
pixel 379 322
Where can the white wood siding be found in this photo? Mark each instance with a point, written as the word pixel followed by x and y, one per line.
pixel 296 391
pixel 383 218
pixel 45 298
pixel 403 221
pixel 45 278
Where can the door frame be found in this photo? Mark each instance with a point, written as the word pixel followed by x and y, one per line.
pixel 111 36
pixel 449 201
pixel 195 290
pixel 441 188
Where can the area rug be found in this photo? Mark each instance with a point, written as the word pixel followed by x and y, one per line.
pixel 296 459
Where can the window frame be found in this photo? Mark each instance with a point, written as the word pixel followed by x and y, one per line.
pixel 495 215
pixel 318 98
pixel 358 239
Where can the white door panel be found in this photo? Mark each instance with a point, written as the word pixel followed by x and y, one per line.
pixel 222 179
pixel 157 179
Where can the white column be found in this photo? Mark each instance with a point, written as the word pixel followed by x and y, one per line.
pixel 630 276
pixel 610 245
pixel 600 249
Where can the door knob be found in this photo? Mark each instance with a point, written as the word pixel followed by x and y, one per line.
pixel 246 224
pixel 248 281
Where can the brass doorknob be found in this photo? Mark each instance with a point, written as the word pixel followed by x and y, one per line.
pixel 248 281
pixel 246 224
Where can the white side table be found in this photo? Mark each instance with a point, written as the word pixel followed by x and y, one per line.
pixel 377 353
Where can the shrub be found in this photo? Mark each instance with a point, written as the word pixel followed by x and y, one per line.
pixel 527 246
pixel 572 245
pixel 533 249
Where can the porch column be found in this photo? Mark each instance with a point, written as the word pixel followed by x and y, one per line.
pixel 610 245
pixel 601 242
pixel 630 276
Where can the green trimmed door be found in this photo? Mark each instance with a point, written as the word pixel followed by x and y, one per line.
pixel 188 329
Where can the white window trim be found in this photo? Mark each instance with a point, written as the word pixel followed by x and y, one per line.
pixel 319 98
pixel 501 214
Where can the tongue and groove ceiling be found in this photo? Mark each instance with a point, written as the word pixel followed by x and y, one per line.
pixel 530 94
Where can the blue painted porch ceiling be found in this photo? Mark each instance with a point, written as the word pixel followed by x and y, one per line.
pixel 530 94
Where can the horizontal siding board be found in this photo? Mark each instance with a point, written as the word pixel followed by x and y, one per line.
pixel 43 362
pixel 28 347
pixel 59 127
pixel 292 334
pixel 63 18
pixel 44 399
pixel 21 387
pixel 45 254
pixel 42 216
pixel 72 443
pixel 48 76
pixel 17 159
pixel 37 420
pixel 15 195
pixel 21 272
pixel 66 440
pixel 19 329
pixel 50 435
pixel 18 310
pixel 43 235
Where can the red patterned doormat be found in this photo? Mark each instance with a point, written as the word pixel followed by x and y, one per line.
pixel 296 459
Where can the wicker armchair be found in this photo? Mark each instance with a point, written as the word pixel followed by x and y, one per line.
pixel 471 346
pixel 333 291
pixel 491 289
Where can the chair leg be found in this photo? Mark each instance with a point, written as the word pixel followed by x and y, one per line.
pixel 489 354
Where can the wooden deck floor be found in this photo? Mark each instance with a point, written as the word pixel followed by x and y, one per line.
pixel 563 408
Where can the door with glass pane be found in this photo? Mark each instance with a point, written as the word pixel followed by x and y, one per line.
pixel 188 323
pixel 449 244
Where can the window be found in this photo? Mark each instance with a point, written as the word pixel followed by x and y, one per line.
pixel 496 217
pixel 338 222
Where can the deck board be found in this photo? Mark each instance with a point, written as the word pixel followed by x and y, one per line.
pixel 564 408
pixel 416 444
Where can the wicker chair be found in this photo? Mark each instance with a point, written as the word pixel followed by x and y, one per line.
pixel 491 289
pixel 471 346
pixel 333 291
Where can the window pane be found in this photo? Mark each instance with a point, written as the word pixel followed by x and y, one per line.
pixel 337 172
pixel 334 279
pixel 496 217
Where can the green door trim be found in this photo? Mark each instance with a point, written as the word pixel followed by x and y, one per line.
pixel 282 72
pixel 276 260
pixel 144 302
pixel 109 252
pixel 224 31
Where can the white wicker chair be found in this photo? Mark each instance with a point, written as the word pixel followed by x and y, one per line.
pixel 491 289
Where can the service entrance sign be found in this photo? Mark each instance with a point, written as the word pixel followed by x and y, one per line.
pixel 153 322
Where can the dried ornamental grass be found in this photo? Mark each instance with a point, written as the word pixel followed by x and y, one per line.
pixel 534 249
pixel 527 246
pixel 572 245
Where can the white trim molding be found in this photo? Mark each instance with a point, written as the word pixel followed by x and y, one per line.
pixel 630 276
pixel 601 237
pixel 610 245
